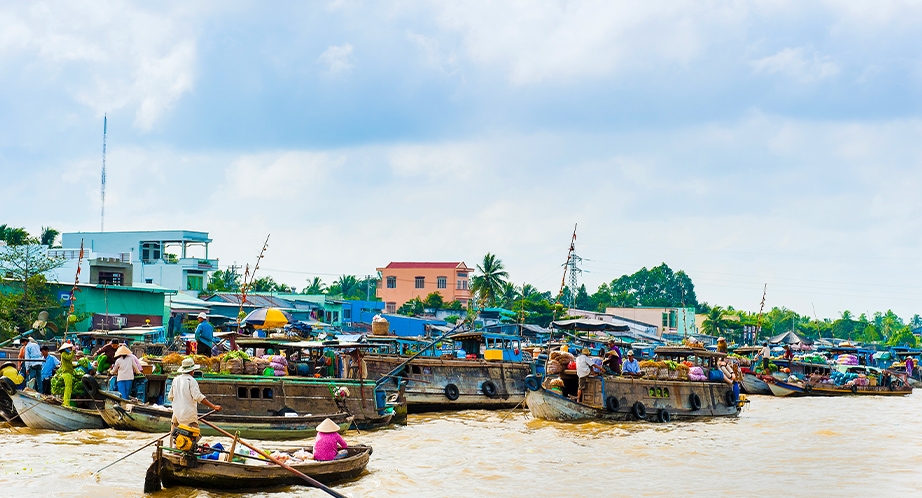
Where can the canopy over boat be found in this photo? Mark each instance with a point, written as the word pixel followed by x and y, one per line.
pixel 789 338
pixel 589 324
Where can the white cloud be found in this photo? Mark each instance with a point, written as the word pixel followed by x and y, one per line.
pixel 280 176
pixel 337 59
pixel 432 55
pixel 797 63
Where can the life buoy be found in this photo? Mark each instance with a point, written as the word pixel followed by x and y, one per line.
pixel 7 385
pixel 663 416
pixel 639 410
pixel 451 392
pixel 730 399
pixel 90 385
pixel 532 383
pixel 695 401
pixel 612 403
pixel 488 388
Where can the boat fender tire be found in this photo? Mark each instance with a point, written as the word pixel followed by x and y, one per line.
pixel 808 388
pixel 7 385
pixel 663 416
pixel 854 389
pixel 532 383
pixel 695 401
pixel 729 398
pixel 612 403
pixel 90 385
pixel 892 386
pixel 451 392
pixel 639 410
pixel 488 388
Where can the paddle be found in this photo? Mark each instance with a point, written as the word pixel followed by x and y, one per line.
pixel 308 479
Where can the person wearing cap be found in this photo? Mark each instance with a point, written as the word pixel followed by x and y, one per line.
pixel 721 345
pixel 584 368
pixel 10 371
pixel 185 395
pixel 34 363
pixel 124 370
pixel 204 335
pixel 48 367
pixel 67 371
pixel 329 445
pixel 631 366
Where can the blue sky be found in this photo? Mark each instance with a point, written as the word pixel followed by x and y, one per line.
pixel 769 142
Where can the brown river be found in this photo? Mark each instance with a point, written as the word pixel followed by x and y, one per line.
pixel 777 447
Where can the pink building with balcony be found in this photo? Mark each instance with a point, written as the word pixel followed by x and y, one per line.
pixel 402 281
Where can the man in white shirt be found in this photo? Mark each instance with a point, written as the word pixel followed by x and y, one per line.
pixel 584 368
pixel 766 355
pixel 185 396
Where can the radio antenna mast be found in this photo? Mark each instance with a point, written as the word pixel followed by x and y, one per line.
pixel 102 190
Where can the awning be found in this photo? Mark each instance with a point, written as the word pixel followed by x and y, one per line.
pixel 589 324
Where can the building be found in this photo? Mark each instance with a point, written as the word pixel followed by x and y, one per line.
pixel 174 259
pixel 400 282
pixel 303 307
pixel 667 320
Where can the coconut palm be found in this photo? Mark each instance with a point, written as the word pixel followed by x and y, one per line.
pixel 315 286
pixel 346 286
pixel 714 321
pixel 488 284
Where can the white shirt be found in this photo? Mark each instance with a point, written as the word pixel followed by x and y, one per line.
pixel 583 365
pixel 185 396
pixel 766 352
pixel 124 369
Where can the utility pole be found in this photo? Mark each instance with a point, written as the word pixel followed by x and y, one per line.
pixel 102 190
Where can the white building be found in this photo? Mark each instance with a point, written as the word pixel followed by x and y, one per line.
pixel 175 259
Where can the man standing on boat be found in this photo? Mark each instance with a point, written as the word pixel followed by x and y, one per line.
pixel 48 367
pixel 185 396
pixel 204 335
pixel 766 355
pixel 34 359
pixel 584 368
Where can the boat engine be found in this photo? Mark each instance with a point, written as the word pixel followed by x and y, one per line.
pixel 186 437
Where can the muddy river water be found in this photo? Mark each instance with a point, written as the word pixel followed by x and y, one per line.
pixel 777 447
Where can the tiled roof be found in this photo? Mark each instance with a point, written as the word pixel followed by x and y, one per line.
pixel 411 265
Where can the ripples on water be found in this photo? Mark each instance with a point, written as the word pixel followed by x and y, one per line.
pixel 785 447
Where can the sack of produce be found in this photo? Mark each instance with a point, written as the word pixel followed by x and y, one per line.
pixel 234 366
pixel 553 367
pixel 250 368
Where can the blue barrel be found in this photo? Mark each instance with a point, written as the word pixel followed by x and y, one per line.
pixel 304 370
pixel 715 375
pixel 380 400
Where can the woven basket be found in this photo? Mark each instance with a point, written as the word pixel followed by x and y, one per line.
pixel 650 372
pixel 169 368
pixel 672 375
pixel 662 373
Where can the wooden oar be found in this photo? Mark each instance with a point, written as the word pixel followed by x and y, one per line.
pixel 306 478
pixel 146 445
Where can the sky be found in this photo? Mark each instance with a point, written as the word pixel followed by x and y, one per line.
pixel 746 143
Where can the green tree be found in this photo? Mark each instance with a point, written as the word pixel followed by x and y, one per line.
pixel 26 266
pixel 488 284
pixel 413 307
pixel 508 295
pixel 16 236
pixel 268 284
pixel 658 286
pixel 314 287
pixel 453 306
pixel 49 236
pixel 715 321
pixel 871 334
pixel 223 281
pixel 902 337
pixel 434 301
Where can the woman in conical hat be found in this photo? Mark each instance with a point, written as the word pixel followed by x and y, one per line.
pixel 124 369
pixel 329 445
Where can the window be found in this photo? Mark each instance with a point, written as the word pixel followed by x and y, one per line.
pixel 391 307
pixel 391 282
pixel 665 319
pixel 335 316
pixel 150 252
pixel 195 282
pixel 111 278
pixel 347 314
pixel 420 282
pixel 441 282
pixel 462 284
pixel 462 274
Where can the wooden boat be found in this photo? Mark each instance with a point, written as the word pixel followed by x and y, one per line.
pixel 610 397
pixel 783 388
pixel 127 415
pixel 752 384
pixel 492 379
pixel 180 469
pixel 38 411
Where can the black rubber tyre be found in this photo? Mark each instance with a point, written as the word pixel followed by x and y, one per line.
pixel 532 383
pixel 452 392
pixel 854 389
pixel 612 403
pixel 488 388
pixel 90 385
pixel 663 416
pixel 7 385
pixel 695 401
pixel 639 410
pixel 729 399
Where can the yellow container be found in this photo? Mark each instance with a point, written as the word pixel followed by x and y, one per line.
pixel 493 355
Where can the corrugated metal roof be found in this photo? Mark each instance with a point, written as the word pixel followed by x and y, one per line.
pixel 407 265
pixel 252 300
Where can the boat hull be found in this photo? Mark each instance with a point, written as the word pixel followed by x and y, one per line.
pixel 38 413
pixel 428 379
pixel 752 384
pixel 784 389
pixel 713 398
pixel 129 416
pixel 212 474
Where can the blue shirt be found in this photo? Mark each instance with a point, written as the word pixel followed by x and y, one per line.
pixel 33 352
pixel 204 333
pixel 631 366
pixel 48 367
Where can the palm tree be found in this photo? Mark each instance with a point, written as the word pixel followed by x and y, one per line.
pixel 49 235
pixel 488 285
pixel 315 286
pixel 714 321
pixel 508 295
pixel 345 286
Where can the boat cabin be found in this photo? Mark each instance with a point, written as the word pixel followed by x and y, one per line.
pixel 701 357
pixel 132 335
pixel 405 346
pixel 488 346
